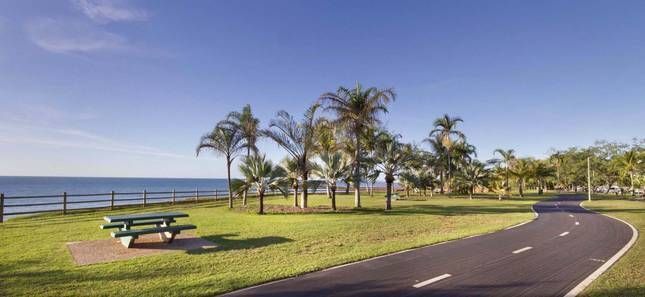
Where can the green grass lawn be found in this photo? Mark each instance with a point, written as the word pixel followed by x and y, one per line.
pixel 627 276
pixel 34 259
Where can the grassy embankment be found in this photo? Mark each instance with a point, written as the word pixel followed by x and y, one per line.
pixel 627 276
pixel 34 259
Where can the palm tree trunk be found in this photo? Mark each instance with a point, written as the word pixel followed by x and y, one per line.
pixel 245 194
pixel 357 171
pixel 333 197
pixel 441 182
pixel 431 192
pixel 631 179
pixel 228 177
pixel 261 195
pixel 388 199
pixel 328 192
pixel 449 174
pixel 470 193
pixel 295 194
pixel 521 186
pixel 303 195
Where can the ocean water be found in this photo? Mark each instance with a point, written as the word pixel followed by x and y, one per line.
pixel 18 186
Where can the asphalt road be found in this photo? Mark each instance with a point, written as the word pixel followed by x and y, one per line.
pixel 546 257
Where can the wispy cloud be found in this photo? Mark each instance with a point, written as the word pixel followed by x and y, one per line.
pixel 75 138
pixel 44 125
pixel 63 36
pixel 105 11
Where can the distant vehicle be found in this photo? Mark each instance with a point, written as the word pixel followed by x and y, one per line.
pixel 615 190
pixel 638 191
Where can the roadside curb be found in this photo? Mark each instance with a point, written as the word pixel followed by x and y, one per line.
pixel 594 275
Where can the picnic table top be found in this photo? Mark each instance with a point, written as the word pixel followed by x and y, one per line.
pixel 145 216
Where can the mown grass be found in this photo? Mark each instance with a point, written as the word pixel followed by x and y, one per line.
pixel 34 259
pixel 627 276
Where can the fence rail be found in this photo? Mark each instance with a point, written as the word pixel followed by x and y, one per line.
pixel 66 202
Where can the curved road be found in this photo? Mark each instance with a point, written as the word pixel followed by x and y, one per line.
pixel 546 257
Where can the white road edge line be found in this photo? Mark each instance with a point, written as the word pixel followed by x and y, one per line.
pixel 535 216
pixel 432 280
pixel 587 281
pixel 522 250
pixel 564 233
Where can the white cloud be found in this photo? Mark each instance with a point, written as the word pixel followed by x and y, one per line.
pixel 62 36
pixel 105 11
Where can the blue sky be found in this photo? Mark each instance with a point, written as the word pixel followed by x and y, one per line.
pixel 116 88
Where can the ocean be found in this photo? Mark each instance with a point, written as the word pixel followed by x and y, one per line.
pixel 17 186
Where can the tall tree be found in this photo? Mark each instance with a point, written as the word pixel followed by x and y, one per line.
pixel 391 157
pixel 445 128
pixel 522 170
pixel 290 166
pixel 355 110
pixel 297 138
pixel 248 125
pixel 260 174
pixel 472 175
pixel 333 168
pixel 226 141
pixel 507 158
pixel 629 162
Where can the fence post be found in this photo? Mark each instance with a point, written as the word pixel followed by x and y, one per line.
pixel 145 196
pixel 1 207
pixel 112 201
pixel 64 202
pixel 173 196
pixel 196 195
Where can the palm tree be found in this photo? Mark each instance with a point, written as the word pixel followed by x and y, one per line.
pixel 260 174
pixel 629 163
pixel 507 158
pixel 472 175
pixel 541 171
pixel 445 128
pixel 290 166
pixel 226 141
pixel 522 170
pixel 297 138
pixel 440 157
pixel 391 157
pixel 334 167
pixel 247 124
pixel 408 181
pixel 355 110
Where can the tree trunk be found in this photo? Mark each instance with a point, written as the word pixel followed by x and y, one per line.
pixel 228 177
pixel 261 195
pixel 303 195
pixel 631 179
pixel 449 174
pixel 245 194
pixel 295 194
pixel 328 192
pixel 470 193
pixel 346 187
pixel 407 193
pixel 333 197
pixel 521 186
pixel 431 192
pixel 357 170
pixel 425 193
pixel 388 191
pixel 441 182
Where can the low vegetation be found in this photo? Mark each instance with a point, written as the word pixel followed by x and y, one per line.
pixel 627 276
pixel 34 260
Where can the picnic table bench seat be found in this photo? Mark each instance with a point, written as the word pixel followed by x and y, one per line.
pixel 135 223
pixel 167 233
pixel 162 225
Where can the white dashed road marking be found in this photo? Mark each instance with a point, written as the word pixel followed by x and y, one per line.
pixel 432 280
pixel 522 250
pixel 564 233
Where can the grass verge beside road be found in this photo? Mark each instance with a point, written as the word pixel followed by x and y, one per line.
pixel 34 260
pixel 627 276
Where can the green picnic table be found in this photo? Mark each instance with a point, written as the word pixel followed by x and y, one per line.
pixel 162 225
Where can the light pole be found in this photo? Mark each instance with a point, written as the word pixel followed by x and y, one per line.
pixel 588 179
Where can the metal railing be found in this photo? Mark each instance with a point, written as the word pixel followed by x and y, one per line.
pixel 65 202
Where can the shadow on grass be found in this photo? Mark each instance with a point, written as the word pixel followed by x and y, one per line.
pixel 226 243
